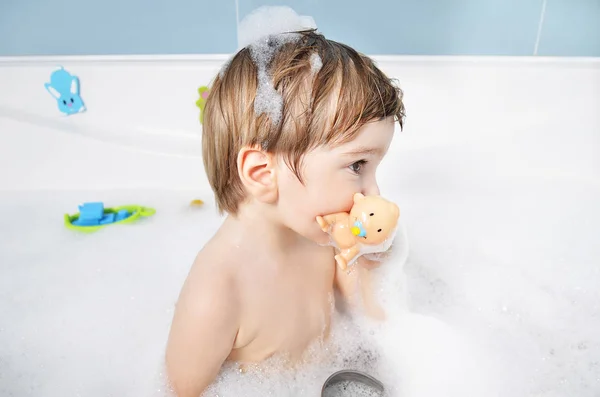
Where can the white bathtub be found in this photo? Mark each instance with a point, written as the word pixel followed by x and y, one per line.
pixel 497 174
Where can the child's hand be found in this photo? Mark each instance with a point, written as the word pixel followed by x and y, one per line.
pixel 368 263
pixel 373 261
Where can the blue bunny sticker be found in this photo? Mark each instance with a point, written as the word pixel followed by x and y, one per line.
pixel 64 87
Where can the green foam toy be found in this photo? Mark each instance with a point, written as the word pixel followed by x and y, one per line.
pixel 93 216
pixel 203 92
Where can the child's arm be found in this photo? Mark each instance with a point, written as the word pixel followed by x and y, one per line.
pixel 370 303
pixel 356 286
pixel 202 334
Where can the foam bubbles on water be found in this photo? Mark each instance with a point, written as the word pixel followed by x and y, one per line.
pixel 502 294
pixel 88 314
pixel 347 347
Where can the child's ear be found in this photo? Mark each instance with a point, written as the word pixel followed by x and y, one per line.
pixel 257 171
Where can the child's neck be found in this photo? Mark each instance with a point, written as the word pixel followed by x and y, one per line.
pixel 256 225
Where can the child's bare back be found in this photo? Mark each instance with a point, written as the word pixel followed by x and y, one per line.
pixel 244 301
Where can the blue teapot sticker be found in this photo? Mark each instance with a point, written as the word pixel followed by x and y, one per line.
pixel 64 87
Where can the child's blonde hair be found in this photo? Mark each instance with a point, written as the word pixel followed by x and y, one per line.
pixel 324 92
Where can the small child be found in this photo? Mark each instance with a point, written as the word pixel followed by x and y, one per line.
pixel 293 126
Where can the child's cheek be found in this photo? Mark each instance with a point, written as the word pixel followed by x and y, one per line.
pixel 341 201
pixel 334 194
pixel 348 202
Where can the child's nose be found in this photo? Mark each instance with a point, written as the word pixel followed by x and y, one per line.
pixel 372 190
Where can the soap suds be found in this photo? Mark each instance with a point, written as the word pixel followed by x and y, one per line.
pixel 271 20
pixel 316 63
pixel 264 31
pixel 267 99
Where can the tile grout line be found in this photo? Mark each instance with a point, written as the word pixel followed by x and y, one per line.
pixel 539 31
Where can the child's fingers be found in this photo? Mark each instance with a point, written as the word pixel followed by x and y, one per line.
pixel 369 263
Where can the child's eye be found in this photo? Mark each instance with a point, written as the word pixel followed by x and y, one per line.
pixel 357 166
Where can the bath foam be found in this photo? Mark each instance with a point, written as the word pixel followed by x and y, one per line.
pixel 316 63
pixel 267 99
pixel 501 269
pixel 347 347
pixel 266 21
pixel 264 31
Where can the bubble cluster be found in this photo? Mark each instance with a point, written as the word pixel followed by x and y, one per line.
pixel 316 63
pixel 267 99
pixel 264 31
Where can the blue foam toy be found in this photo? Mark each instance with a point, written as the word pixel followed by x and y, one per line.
pixel 91 211
pixel 64 87
pixel 108 218
pixel 85 222
pixel 122 214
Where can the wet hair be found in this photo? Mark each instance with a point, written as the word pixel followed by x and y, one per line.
pixel 288 95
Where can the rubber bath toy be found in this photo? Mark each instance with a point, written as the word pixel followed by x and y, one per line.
pixel 203 92
pixel 64 87
pixel 368 228
pixel 196 203
pixel 93 216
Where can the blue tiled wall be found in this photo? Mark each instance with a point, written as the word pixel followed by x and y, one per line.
pixel 424 27
pixel 571 28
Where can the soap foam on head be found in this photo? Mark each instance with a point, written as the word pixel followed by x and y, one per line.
pixel 316 63
pixel 271 20
pixel 264 31
pixel 267 99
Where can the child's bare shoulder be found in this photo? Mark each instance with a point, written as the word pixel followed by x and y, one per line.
pixel 205 324
pixel 212 274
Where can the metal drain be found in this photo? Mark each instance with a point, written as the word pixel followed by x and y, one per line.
pixel 352 383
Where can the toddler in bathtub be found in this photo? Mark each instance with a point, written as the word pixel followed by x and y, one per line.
pixel 293 127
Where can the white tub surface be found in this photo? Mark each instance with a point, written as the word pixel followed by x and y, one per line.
pixel 497 174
